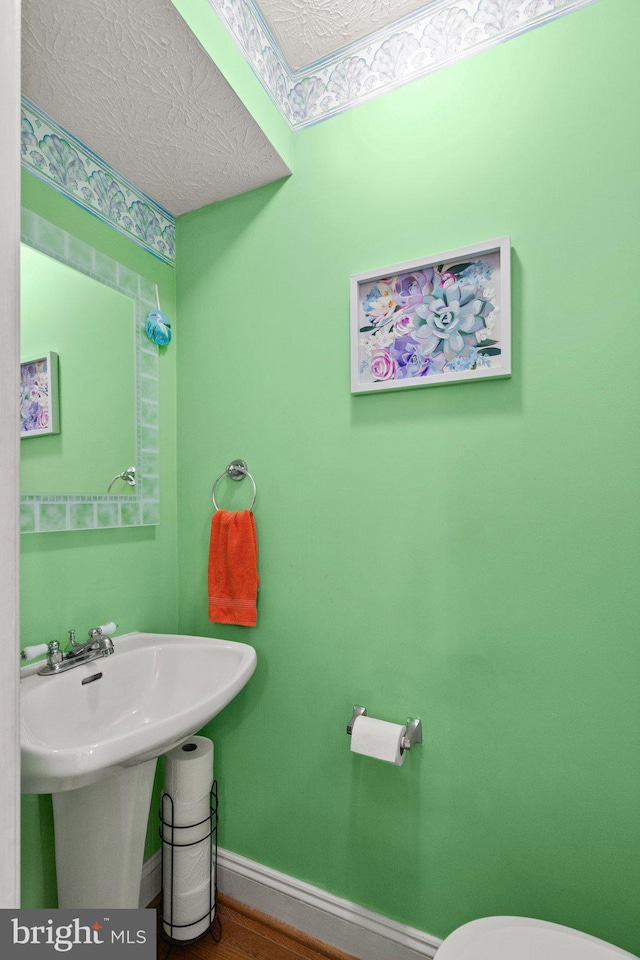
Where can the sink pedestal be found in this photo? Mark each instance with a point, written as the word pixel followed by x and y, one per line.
pixel 100 833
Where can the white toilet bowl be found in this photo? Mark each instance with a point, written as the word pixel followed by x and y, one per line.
pixel 519 938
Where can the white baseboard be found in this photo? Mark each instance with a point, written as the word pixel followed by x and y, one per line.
pixel 340 923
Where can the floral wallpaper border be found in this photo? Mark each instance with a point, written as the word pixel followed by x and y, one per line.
pixel 439 34
pixel 54 155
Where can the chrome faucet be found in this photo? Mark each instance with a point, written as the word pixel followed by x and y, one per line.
pixel 99 644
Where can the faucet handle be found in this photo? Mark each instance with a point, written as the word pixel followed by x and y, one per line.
pixel 55 654
pixel 52 649
pixel 36 650
pixel 106 630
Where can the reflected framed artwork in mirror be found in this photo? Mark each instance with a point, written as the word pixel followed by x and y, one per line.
pixel 39 402
pixel 90 311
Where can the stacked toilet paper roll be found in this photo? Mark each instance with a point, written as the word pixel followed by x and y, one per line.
pixel 187 906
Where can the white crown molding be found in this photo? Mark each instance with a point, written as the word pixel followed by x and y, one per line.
pixel 58 158
pixel 441 33
pixel 341 924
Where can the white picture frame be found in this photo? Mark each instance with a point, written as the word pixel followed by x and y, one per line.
pixel 435 320
pixel 39 396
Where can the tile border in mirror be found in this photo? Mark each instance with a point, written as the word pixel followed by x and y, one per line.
pixel 48 514
pixel 54 155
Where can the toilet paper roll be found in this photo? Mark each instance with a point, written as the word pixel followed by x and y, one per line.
pixel 187 911
pixel 184 823
pixel 188 773
pixel 379 739
pixel 189 866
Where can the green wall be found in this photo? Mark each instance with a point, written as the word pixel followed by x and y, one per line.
pixel 81 579
pixel 464 554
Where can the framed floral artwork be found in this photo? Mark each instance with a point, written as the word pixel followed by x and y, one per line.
pixel 39 402
pixel 439 320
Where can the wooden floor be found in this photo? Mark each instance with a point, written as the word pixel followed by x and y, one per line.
pixel 249 935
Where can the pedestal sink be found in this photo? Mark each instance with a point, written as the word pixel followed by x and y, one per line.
pixel 91 737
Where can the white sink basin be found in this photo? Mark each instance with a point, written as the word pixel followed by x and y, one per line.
pixel 153 692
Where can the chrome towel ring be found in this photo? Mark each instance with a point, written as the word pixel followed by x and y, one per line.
pixel 237 470
pixel 128 475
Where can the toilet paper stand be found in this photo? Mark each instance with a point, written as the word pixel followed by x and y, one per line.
pixel 413 734
pixel 171 844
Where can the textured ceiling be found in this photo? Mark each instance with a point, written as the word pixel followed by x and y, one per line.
pixel 308 30
pixel 130 80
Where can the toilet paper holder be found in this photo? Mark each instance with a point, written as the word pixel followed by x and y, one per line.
pixel 413 734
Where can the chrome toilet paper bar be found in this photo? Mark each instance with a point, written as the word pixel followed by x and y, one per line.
pixel 413 734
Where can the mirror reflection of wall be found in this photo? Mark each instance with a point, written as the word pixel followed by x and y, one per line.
pixel 91 328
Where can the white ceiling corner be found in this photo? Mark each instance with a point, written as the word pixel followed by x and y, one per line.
pixel 309 30
pixel 132 83
pixel 317 58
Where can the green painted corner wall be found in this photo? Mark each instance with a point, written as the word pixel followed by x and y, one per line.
pixel 81 579
pixel 466 554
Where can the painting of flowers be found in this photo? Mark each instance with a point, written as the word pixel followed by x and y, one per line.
pixel 432 321
pixel 39 407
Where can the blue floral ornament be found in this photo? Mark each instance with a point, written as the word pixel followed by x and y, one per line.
pixel 158 328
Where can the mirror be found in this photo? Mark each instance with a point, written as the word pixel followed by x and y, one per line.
pixel 84 314
pixel 90 328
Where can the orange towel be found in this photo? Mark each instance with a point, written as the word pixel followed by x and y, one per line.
pixel 233 568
